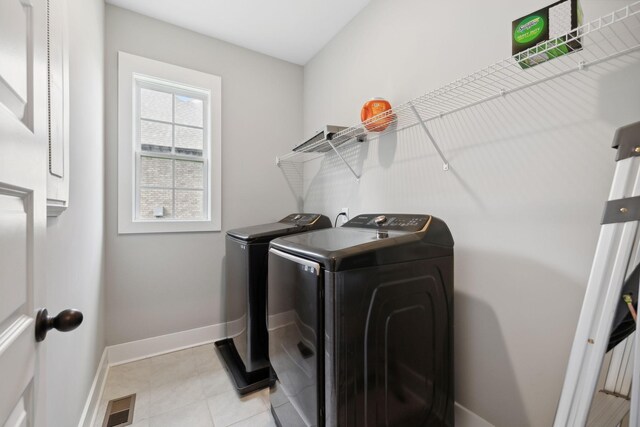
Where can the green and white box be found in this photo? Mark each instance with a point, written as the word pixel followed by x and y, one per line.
pixel 547 33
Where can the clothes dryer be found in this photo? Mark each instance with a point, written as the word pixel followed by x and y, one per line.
pixel 360 324
pixel 245 354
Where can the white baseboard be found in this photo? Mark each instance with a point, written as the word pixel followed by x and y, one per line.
pixel 93 400
pixel 466 418
pixel 136 350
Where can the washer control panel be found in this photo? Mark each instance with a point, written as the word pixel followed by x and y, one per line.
pixel 398 222
pixel 300 219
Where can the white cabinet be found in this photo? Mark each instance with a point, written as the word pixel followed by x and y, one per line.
pixel 58 107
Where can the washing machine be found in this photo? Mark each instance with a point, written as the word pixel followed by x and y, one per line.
pixel 245 353
pixel 360 324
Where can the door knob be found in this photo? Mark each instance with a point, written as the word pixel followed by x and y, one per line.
pixel 65 321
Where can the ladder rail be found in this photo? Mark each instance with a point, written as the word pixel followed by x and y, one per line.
pixel 634 418
pixel 607 275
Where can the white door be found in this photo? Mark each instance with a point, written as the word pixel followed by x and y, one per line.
pixel 23 148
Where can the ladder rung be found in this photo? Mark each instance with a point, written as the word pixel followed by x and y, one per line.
pixel 607 410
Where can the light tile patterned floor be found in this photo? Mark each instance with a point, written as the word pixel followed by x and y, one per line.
pixel 186 388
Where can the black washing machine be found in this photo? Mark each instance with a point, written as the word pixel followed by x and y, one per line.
pixel 245 354
pixel 360 324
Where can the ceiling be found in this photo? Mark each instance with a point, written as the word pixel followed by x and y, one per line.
pixel 292 30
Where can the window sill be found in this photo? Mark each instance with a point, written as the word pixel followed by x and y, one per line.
pixel 167 226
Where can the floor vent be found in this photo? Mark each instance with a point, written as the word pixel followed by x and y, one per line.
pixel 120 412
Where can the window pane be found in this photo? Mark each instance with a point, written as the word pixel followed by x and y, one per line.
pixel 153 133
pixel 151 198
pixel 189 174
pixel 189 111
pixel 189 204
pixel 189 138
pixel 155 105
pixel 155 172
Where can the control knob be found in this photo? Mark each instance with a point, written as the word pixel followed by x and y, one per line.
pixel 380 221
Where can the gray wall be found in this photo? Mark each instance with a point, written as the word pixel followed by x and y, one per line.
pixel 165 283
pixel 75 240
pixel 530 174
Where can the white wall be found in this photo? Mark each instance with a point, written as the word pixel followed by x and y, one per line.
pixel 75 240
pixel 524 195
pixel 165 283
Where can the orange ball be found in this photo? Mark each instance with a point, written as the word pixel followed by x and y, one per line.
pixel 372 108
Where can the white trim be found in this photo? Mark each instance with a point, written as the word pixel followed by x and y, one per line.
pixel 87 419
pixel 128 65
pixel 465 418
pixel 136 350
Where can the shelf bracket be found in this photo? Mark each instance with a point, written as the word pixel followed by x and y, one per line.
pixel 445 165
pixel 343 160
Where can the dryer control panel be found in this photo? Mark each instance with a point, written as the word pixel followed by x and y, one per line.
pixel 300 219
pixel 397 222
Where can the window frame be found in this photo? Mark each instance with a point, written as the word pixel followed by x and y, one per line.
pixel 142 81
pixel 135 72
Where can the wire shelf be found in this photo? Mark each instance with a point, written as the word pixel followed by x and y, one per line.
pixel 602 39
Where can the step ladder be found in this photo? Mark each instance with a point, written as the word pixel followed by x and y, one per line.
pixel 602 388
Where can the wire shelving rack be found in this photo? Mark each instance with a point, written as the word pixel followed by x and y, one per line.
pixel 610 36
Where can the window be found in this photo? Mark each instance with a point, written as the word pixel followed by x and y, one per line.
pixel 169 147
pixel 171 151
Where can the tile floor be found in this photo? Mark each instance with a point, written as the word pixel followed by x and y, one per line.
pixel 185 388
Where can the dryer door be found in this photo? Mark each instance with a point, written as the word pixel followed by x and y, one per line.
pixel 294 324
